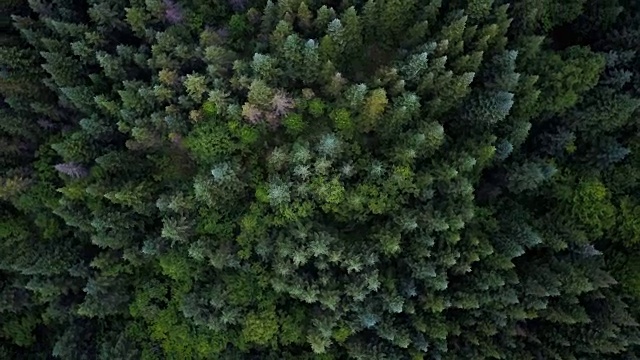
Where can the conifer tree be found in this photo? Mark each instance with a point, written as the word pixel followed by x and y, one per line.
pixel 303 179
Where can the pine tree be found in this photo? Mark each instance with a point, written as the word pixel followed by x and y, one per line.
pixel 294 179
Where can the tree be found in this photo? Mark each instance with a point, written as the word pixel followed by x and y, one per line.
pixel 303 179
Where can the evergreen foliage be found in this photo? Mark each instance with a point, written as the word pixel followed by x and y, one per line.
pixel 380 179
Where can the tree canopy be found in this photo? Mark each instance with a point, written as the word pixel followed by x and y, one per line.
pixel 305 179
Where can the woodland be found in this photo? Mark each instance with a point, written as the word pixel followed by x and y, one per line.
pixel 309 179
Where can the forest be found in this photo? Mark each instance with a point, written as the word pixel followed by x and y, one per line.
pixel 309 179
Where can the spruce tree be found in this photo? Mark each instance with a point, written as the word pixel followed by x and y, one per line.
pixel 306 179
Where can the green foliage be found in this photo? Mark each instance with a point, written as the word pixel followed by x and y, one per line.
pixel 209 142
pixel 629 222
pixel 319 180
pixel 592 206
pixel 20 330
pixel 260 327
pixel 316 108
pixel 294 123
pixel 374 106
pixel 576 70
pixel 196 86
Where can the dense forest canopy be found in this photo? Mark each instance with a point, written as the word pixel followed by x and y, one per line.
pixel 307 179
